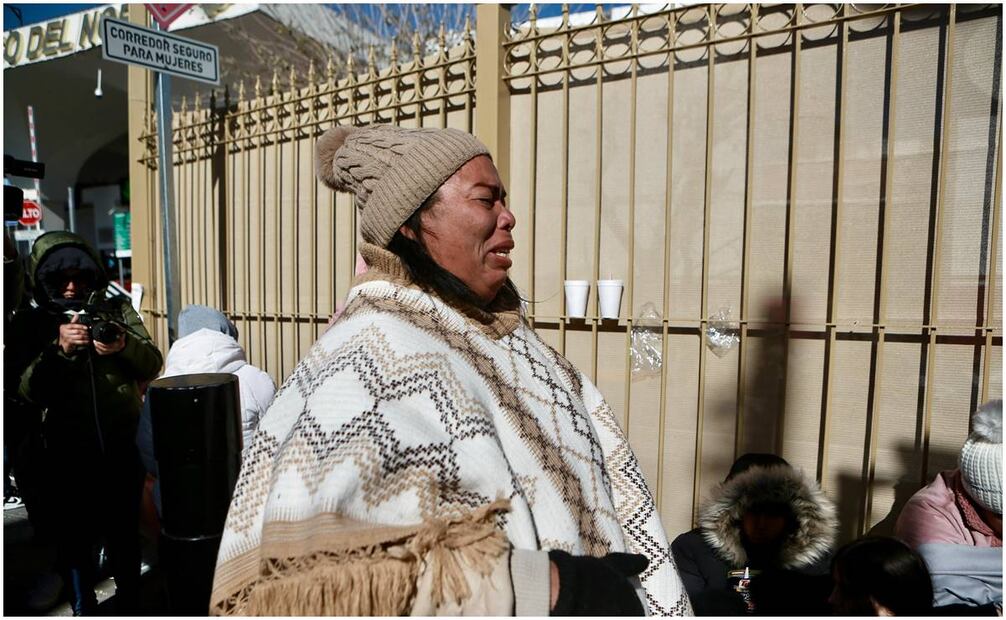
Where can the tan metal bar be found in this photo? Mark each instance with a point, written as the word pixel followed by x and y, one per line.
pixel 295 144
pixel 742 345
pixel 260 175
pixel 278 219
pixel 873 414
pixel 492 96
pixel 630 276
pixel 564 204
pixel 315 258
pixel 442 79
pixel 253 344
pixel 824 435
pixel 732 39
pixel 992 275
pixel 937 246
pixel 668 190
pixel 598 143
pixel 533 190
pixel 787 286
pixel 706 220
pixel 143 210
pixel 230 183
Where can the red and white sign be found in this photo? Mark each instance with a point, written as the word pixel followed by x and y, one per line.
pixel 31 213
pixel 164 14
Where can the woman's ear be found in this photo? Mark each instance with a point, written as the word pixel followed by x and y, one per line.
pixel 407 232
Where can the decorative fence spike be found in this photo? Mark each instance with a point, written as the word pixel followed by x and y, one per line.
pixel 258 87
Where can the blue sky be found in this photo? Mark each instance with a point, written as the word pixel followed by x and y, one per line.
pixel 33 13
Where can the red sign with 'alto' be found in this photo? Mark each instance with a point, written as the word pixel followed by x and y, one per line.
pixel 31 213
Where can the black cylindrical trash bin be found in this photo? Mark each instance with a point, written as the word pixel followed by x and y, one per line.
pixel 196 424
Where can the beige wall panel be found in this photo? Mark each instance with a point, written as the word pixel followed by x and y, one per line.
pixel 768 183
pixel 814 191
pixel 581 220
pixel 551 337
pixel 611 371
pixel 579 345
pixel 951 385
pixel 899 434
pixel 970 171
pixel 805 373
pixel 345 235
pixel 548 224
pixel 846 438
pixel 615 182
pixel 726 226
pixel 679 433
pixel 651 191
pixel 644 426
pixel 913 176
pixel 518 198
pixel 763 396
pixel 863 144
pixel 996 373
pixel 688 183
pixel 720 420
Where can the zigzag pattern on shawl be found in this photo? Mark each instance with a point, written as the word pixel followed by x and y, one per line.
pixel 549 456
pixel 386 467
pixel 634 512
pixel 559 397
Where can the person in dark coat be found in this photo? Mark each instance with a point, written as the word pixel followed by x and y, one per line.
pixel 88 388
pixel 767 518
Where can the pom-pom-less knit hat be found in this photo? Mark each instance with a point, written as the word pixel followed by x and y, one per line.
pixel 982 457
pixel 392 170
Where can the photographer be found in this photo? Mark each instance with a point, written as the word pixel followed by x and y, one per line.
pixel 79 357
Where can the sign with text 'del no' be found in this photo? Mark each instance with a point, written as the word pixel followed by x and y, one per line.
pixel 159 51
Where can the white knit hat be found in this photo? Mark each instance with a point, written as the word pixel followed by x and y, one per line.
pixel 982 457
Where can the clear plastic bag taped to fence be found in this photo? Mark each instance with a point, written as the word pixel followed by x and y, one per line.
pixel 721 332
pixel 646 346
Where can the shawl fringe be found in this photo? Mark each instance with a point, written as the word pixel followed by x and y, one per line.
pixel 376 580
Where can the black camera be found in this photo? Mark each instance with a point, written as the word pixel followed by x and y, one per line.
pixel 100 327
pixel 13 197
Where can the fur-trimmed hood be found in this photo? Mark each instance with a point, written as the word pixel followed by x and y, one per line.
pixel 817 522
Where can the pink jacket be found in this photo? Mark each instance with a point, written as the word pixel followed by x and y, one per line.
pixel 935 515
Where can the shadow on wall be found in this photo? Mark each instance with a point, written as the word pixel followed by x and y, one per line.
pixel 851 492
pixel 764 389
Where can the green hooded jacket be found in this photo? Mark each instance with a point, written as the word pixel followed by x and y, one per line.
pixel 61 384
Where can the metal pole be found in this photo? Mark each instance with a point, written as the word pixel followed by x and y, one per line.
pixel 71 208
pixel 164 153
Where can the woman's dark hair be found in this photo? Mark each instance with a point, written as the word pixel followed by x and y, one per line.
pixel 886 570
pixel 425 271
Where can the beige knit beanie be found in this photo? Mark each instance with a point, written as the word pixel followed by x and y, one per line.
pixel 392 170
pixel 981 458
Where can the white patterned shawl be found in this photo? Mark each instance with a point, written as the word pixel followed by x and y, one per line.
pixel 409 418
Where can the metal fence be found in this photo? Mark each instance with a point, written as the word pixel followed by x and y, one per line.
pixel 828 173
pixel 259 237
